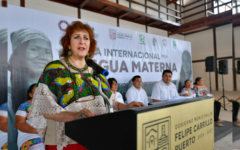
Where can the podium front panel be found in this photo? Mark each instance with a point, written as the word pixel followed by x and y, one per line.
pixel 185 124
pixel 188 126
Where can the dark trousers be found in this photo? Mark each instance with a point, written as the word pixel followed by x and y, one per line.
pixel 235 109
pixel 217 108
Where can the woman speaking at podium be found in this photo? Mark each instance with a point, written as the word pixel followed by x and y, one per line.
pixel 67 91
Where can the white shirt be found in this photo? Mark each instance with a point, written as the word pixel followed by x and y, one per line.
pixel 119 97
pixel 161 91
pixel 22 136
pixel 136 95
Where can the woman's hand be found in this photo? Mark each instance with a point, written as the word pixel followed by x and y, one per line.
pixel 135 104
pixel 85 113
pixel 121 106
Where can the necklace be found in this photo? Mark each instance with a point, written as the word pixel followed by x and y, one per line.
pixel 75 68
pixel 74 80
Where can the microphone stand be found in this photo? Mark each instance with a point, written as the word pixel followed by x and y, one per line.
pixel 223 96
pixel 210 82
pixel 106 100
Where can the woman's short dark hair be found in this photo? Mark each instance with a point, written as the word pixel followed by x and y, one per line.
pixel 110 81
pixel 30 90
pixel 197 80
pixel 186 82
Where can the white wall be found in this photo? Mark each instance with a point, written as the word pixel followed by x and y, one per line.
pixel 202 44
pixel 194 11
pixel 52 7
pixel 163 2
pixel 150 11
pixel 237 52
pixel 224 40
pixel 171 12
pixel 236 41
pixel 14 2
pixel 95 17
pixel 178 36
pixel 114 1
pixel 133 6
pixel 124 3
pixel 132 26
pixel 156 31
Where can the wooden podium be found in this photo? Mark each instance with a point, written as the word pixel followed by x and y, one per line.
pixel 184 124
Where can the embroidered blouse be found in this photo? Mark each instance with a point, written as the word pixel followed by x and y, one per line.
pixel 24 110
pixel 59 90
pixel 202 91
pixel 27 140
pixel 189 92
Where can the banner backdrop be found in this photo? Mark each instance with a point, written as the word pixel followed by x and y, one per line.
pixel 34 40
pixel 119 50
pixel 3 56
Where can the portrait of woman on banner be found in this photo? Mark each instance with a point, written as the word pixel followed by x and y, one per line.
pixel 186 69
pixel 3 90
pixel 31 51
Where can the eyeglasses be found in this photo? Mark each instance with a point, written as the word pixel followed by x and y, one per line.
pixel 114 84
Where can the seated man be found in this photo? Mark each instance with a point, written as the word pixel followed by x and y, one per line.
pixel 164 89
pixel 136 92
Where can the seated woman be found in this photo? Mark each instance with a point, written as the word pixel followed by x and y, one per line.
pixel 187 89
pixel 202 90
pixel 114 86
pixel 4 126
pixel 28 138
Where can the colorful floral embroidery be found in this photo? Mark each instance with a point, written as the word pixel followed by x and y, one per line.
pixel 202 91
pixel 30 143
pixel 25 107
pixel 64 85
pixel 4 106
pixel 5 147
pixel 190 92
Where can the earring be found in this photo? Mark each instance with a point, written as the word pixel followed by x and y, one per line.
pixel 88 54
pixel 69 53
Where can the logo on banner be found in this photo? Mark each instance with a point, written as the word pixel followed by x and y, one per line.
pixel 157 134
pixel 142 39
pixel 125 36
pixel 174 44
pixel 62 25
pixel 95 35
pixel 164 42
pixel 112 34
pixel 154 41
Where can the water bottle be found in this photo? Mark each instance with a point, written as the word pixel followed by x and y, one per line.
pixel 196 92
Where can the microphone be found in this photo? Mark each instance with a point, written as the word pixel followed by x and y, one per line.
pixel 97 68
